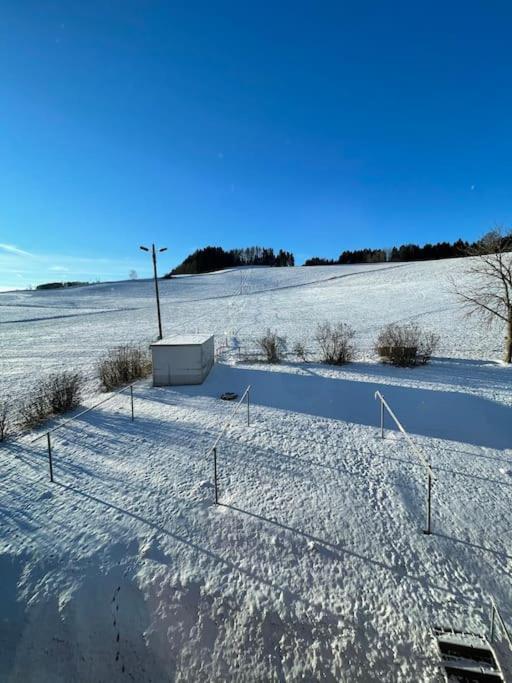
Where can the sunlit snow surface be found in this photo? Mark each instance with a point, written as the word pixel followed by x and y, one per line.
pixel 48 330
pixel 314 567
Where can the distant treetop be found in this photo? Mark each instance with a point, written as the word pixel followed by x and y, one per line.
pixel 405 252
pixel 215 258
pixel 61 285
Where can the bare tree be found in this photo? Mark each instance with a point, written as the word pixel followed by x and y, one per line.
pixel 489 292
pixel 133 275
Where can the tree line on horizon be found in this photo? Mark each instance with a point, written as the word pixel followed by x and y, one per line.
pixel 61 285
pixel 405 252
pixel 216 258
pixel 210 258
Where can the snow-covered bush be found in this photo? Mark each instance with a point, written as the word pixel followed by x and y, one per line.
pixel 300 350
pixel 123 365
pixel 406 345
pixel 335 342
pixel 63 391
pixel 273 346
pixel 34 409
pixel 58 393
pixel 4 419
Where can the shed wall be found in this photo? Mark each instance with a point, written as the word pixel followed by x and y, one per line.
pixel 182 364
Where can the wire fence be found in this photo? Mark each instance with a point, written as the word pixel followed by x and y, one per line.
pixel 49 432
pixel 213 449
pixel 497 627
pixel 500 637
pixel 447 501
pixel 16 401
pixel 417 452
pixel 18 392
pixel 497 619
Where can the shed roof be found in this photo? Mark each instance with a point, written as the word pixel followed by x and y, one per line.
pixel 184 340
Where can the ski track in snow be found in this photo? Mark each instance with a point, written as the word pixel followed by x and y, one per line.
pixel 314 566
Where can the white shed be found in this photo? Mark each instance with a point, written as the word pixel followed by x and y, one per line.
pixel 182 359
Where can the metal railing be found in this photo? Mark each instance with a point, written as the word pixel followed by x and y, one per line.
pixel 75 417
pixel 417 450
pixel 222 349
pixel 227 423
pixel 495 612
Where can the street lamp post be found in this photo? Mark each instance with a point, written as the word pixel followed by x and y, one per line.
pixel 153 253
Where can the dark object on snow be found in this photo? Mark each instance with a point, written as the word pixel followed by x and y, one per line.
pixel 228 396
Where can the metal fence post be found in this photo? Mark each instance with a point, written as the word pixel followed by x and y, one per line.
pixel 491 637
pixel 429 501
pixel 248 402
pixel 215 474
pixel 131 397
pixel 417 451
pixel 48 438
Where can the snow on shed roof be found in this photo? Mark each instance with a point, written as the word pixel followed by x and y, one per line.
pixel 183 340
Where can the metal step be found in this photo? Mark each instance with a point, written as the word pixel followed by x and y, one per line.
pixel 451 647
pixel 468 674
pixel 467 657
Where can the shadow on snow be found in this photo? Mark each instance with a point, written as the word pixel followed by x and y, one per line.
pixel 451 415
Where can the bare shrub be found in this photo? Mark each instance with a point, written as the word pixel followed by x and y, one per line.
pixel 273 346
pixel 63 391
pixel 57 393
pixel 406 345
pixel 4 420
pixel 300 350
pixel 34 409
pixel 335 342
pixel 123 365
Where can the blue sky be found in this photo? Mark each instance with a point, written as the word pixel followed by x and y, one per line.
pixel 314 126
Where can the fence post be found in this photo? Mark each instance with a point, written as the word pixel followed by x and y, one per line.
pixel 429 503
pixel 491 637
pixel 215 474
pixel 131 397
pixel 381 419
pixel 248 401
pixel 48 438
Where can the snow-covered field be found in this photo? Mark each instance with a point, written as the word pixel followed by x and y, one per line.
pixel 42 331
pixel 314 566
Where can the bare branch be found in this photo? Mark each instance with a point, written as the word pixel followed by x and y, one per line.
pixel 490 292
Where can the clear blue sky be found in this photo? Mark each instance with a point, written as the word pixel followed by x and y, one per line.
pixel 313 126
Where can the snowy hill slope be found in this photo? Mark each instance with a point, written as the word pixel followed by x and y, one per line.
pixel 47 330
pixel 314 566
